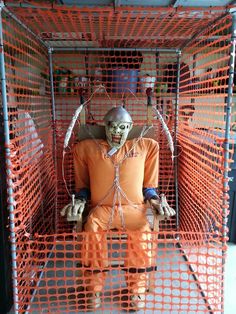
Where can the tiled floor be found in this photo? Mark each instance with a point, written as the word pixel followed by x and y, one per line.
pixel 230 280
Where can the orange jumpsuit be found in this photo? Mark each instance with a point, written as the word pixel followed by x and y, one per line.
pixel 116 184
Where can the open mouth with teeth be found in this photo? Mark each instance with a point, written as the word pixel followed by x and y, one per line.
pixel 116 139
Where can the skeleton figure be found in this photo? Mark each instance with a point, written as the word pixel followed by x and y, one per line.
pixel 119 175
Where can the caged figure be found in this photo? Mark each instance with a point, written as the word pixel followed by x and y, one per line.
pixel 118 175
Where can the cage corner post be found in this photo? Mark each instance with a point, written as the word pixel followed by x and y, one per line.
pixel 228 119
pixel 54 126
pixel 228 111
pixel 10 206
pixel 175 138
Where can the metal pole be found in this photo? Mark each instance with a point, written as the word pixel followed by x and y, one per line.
pixel 114 49
pixel 228 120
pixel 25 5
pixel 226 142
pixel 175 140
pixel 8 165
pixel 54 149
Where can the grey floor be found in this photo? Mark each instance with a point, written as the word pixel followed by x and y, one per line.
pixel 230 280
pixel 173 282
pixel 45 301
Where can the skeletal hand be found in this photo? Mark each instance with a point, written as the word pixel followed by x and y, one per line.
pixel 161 206
pixel 74 212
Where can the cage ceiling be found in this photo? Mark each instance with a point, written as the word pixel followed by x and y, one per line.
pixel 120 24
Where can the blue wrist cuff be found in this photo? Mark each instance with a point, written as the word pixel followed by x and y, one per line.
pixel 150 193
pixel 83 193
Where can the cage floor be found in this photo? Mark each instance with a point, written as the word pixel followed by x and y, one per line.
pixel 176 290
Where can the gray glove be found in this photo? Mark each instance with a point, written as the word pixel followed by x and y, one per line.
pixel 74 210
pixel 161 206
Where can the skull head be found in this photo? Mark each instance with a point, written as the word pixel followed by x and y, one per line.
pixel 118 123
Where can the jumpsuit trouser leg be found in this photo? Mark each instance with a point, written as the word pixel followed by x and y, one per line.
pixel 95 249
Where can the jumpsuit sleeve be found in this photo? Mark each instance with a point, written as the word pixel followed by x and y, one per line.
pixel 151 168
pixel 81 167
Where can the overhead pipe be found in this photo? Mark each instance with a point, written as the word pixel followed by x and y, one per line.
pixel 174 50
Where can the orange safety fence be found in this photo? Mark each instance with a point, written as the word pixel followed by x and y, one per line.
pixel 128 26
pixel 201 135
pixel 61 285
pixel 30 124
pixel 180 268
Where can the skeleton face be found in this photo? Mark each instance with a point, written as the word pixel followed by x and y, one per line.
pixel 117 133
